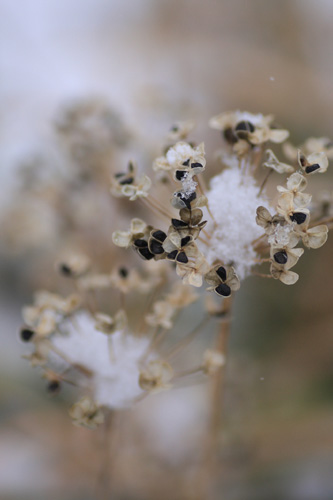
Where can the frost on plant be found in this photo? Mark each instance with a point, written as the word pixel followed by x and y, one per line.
pixel 213 237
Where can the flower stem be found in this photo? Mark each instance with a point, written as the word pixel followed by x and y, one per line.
pixel 105 473
pixel 216 405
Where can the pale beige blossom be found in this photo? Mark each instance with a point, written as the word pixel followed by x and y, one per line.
pixel 74 266
pixel 156 376
pixel 86 413
pixel 296 184
pixel 213 361
pixel 284 275
pixel 273 163
pixel 138 229
pixel 313 163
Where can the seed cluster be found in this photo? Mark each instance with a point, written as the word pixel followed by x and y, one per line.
pixel 217 236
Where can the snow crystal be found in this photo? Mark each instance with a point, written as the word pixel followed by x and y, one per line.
pixel 116 371
pixel 189 185
pixel 281 235
pixel 233 200
pixel 177 152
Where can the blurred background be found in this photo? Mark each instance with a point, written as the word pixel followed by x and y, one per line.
pixel 126 71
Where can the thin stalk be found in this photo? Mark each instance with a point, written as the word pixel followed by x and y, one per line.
pixel 187 339
pixel 153 208
pixel 105 473
pixel 190 371
pixel 216 404
pixel 264 182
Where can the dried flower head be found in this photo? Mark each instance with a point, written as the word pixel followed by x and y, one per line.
pixel 156 376
pixel 86 413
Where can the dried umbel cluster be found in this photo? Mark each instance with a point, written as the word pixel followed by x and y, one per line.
pixel 217 236
pixel 61 187
pixel 224 249
pixel 113 359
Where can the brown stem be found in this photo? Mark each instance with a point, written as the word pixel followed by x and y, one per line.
pixel 216 405
pixel 105 473
pixel 265 181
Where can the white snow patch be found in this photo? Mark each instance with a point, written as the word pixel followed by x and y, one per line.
pixel 116 372
pixel 233 200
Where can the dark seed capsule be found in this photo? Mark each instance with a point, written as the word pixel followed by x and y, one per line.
pixel 185 241
pixel 139 243
pixel 159 235
pixel 53 386
pixel 189 199
pixel 222 273
pixel 123 272
pixel 178 223
pixel 26 334
pixel 156 247
pixel 186 163
pixel 182 258
pixel 281 257
pixel 223 290
pixel 129 180
pixel 196 165
pixel 229 135
pixel 312 168
pixel 180 175
pixel 302 160
pixel 174 129
pixel 245 126
pixel 298 217
pixel 172 255
pixel 65 270
pixel 145 253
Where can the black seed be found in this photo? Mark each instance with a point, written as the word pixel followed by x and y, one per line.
pixel 302 160
pixel 186 163
pixel 185 241
pixel 312 168
pixel 222 273
pixel 229 135
pixel 130 167
pixel 245 126
pixel 189 199
pixel 181 257
pixel 118 175
pixel 174 129
pixel 186 198
pixel 298 217
pixel 172 255
pixel 53 386
pixel 26 334
pixel 178 223
pixel 159 235
pixel 180 175
pixel 223 289
pixel 123 272
pixel 155 247
pixel 196 165
pixel 129 180
pixel 139 243
pixel 281 257
pixel 65 270
pixel 145 253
